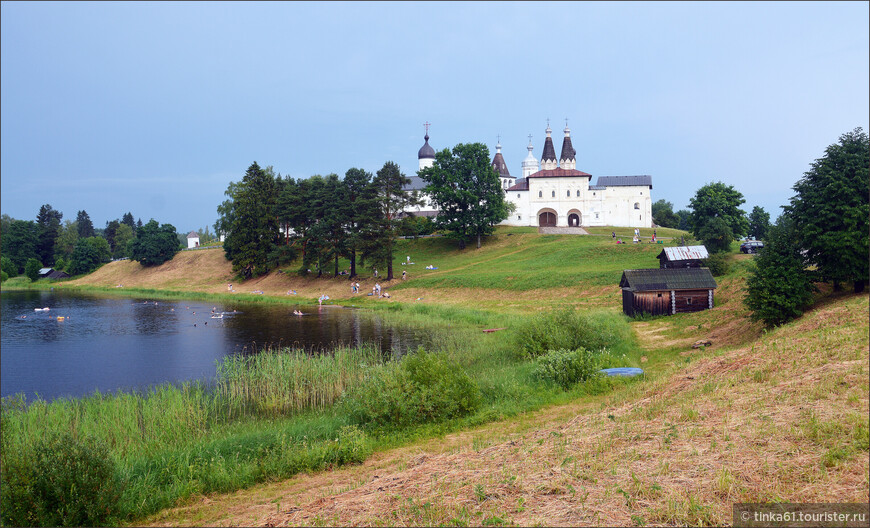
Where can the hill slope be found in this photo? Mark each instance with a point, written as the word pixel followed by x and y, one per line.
pixel 784 418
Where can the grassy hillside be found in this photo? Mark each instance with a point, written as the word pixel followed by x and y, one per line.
pixel 783 417
pixel 778 415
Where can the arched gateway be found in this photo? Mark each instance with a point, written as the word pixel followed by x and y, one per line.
pixel 547 219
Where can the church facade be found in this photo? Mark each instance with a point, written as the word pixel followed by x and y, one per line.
pixel 556 194
pixel 559 195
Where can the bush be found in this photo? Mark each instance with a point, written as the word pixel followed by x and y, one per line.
pixel 31 269
pixel 422 387
pixel 64 482
pixel 718 264
pixel 8 266
pixel 567 367
pixel 569 329
pixel 3 276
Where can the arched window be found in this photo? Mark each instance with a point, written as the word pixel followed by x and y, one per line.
pixel 540 194
pixel 569 193
pixel 518 195
pixel 554 194
pixel 636 205
pixel 578 193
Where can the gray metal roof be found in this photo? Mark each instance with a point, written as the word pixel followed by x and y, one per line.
pixel 417 184
pixel 684 253
pixel 667 279
pixel 623 181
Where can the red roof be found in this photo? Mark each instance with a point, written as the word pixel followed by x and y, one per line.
pixel 559 173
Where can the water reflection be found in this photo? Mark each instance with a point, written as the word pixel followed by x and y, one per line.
pixel 108 344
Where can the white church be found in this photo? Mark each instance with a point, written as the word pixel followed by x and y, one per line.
pixel 556 194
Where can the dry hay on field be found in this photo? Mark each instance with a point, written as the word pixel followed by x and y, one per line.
pixel 783 418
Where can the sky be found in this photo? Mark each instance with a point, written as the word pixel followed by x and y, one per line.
pixel 155 108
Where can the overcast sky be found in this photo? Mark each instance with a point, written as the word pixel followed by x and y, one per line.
pixel 154 108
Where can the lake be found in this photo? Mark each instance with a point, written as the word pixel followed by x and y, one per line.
pixel 111 343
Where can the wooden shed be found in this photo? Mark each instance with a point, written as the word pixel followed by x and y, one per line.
pixel 682 257
pixel 666 291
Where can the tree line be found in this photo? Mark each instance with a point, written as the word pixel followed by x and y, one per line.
pixel 820 237
pixel 77 247
pixel 269 220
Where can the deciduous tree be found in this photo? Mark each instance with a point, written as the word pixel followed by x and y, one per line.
pixel 467 191
pixel 663 214
pixel 89 254
pixel 154 244
pixel 717 201
pixel 19 243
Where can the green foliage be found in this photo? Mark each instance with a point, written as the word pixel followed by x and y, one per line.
pixel 567 367
pixel 48 221
pixel 716 215
pixel 716 235
pixel 123 236
pixel 719 264
pixel 89 254
pixel 831 211
pixel 31 269
pixel 414 226
pixel 66 240
pixel 3 276
pixel 779 288
pixel 250 221
pixel 153 244
pixel 467 190
pixel 84 225
pixel 19 242
pixel 663 214
pixel 569 329
pixel 8 267
pixel 422 387
pixel 64 482
pixel 685 217
pixel 759 223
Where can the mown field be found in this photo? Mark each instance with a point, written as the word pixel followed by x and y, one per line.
pixel 776 415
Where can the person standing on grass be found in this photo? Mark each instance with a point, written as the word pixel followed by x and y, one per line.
pixel 404 275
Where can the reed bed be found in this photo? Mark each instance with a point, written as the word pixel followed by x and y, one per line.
pixel 277 382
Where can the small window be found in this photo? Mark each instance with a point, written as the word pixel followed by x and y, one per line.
pixel 578 193
pixel 659 295
pixel 593 194
pixel 554 194
pixel 636 205
pixel 641 193
pixel 540 194
pixel 569 193
pixel 518 196
pixel 596 216
pixel 689 301
pixel 519 217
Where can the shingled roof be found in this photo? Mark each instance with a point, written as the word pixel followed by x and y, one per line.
pixel 568 152
pixel 500 166
pixel 549 150
pixel 667 279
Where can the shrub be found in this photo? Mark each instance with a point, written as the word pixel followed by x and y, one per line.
pixel 3 276
pixel 567 367
pixel 8 266
pixel 64 482
pixel 718 264
pixel 422 387
pixel 31 269
pixel 569 329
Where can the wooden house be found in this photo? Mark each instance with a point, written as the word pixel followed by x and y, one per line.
pixel 51 273
pixel 666 291
pixel 682 257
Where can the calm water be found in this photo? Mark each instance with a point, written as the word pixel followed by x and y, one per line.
pixel 108 344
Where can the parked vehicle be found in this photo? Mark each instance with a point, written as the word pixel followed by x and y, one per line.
pixel 751 246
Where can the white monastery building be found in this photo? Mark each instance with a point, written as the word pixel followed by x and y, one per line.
pixel 557 194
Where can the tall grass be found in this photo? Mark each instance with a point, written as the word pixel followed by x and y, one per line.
pixel 279 383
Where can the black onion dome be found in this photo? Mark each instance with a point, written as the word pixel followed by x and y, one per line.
pixel 426 151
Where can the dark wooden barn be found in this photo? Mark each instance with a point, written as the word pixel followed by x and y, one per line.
pixel 51 273
pixel 682 257
pixel 666 291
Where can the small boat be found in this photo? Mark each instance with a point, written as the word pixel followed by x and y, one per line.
pixel 40 309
